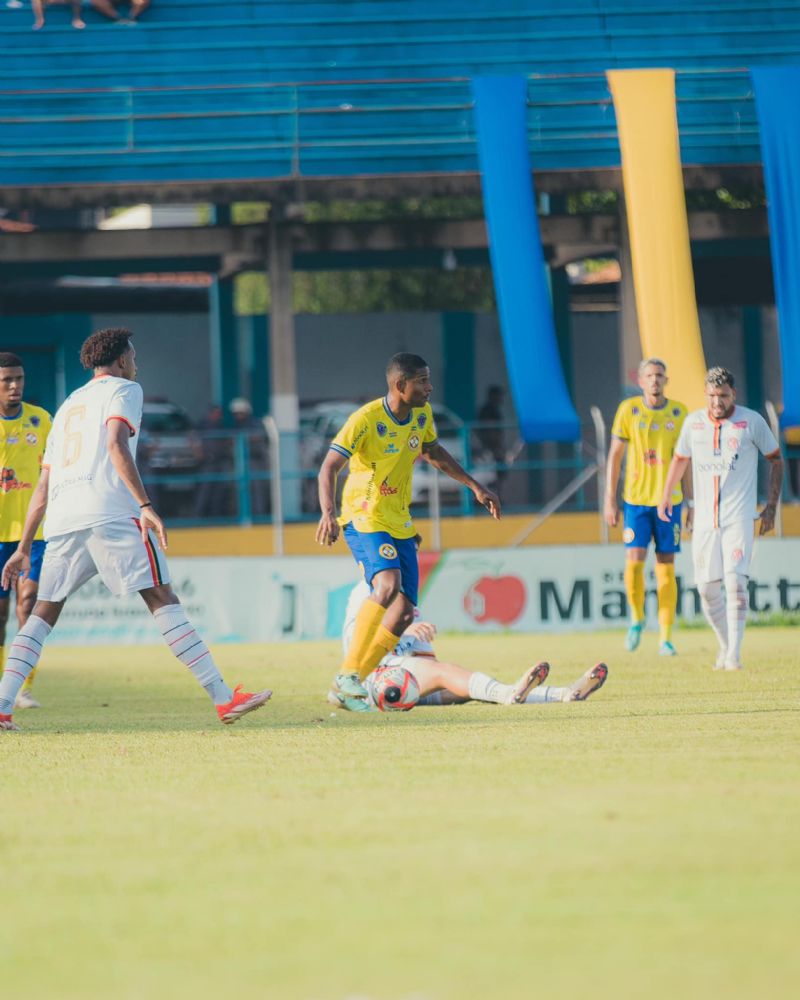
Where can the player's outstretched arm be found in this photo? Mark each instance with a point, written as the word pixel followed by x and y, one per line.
pixel 676 470
pixel 767 517
pixel 613 467
pixel 328 527
pixel 117 435
pixel 441 459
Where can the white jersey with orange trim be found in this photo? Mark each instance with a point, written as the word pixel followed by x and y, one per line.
pixel 724 456
pixel 84 489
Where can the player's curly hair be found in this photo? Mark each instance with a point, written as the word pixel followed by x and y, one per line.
pixel 9 360
pixel 105 347
pixel 719 377
pixel 404 364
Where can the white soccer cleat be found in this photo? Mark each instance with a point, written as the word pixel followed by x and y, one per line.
pixel 26 700
pixel 588 684
pixel 531 679
pixel 722 656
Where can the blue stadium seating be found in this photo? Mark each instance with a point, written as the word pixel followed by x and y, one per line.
pixel 203 89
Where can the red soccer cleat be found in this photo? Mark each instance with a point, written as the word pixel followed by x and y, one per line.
pixel 241 703
pixel 7 723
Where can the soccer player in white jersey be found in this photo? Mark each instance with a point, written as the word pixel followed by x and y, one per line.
pixel 722 442
pixel 444 683
pixel 99 520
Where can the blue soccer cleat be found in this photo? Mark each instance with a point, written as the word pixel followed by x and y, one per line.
pixel 667 649
pixel 634 636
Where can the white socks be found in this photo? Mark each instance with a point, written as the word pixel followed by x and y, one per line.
pixel 482 687
pixel 184 642
pixel 736 602
pixel 713 604
pixel 547 693
pixel 22 658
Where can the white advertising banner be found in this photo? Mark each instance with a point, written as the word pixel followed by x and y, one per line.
pixel 544 589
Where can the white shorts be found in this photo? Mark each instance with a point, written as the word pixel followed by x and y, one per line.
pixel 114 550
pixel 718 551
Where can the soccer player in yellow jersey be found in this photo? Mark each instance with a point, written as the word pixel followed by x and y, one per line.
pixel 23 435
pixel 382 441
pixel 647 427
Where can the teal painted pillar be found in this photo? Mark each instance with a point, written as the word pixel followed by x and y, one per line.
pixel 458 353
pixel 224 343
pixel 753 356
pixel 260 367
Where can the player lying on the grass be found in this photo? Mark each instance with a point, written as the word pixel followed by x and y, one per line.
pixel 99 520
pixel 444 683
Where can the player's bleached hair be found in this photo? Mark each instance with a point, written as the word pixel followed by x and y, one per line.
pixel 406 365
pixel 9 360
pixel 720 376
pixel 105 347
pixel 651 361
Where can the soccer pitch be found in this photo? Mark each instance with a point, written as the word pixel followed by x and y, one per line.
pixel 643 843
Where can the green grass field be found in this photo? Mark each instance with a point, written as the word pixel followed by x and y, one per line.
pixel 644 843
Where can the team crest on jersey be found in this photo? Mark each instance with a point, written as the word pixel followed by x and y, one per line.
pixel 422 420
pixel 387 551
pixel 733 444
pixel 675 411
pixel 381 429
pixel 35 421
pixel 31 438
pixel 413 442
pixel 669 426
pixel 628 535
pixel 635 411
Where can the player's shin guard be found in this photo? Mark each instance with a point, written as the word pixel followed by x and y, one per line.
pixel 736 607
pixel 667 592
pixel 383 643
pixel 634 588
pixel 22 659
pixel 482 687
pixel 369 617
pixel 185 643
pixel 713 604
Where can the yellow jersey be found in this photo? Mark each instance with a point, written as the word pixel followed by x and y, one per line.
pixel 22 441
pixel 651 436
pixel 382 451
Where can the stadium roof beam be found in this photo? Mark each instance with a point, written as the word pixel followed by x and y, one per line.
pixel 290 190
pixel 229 249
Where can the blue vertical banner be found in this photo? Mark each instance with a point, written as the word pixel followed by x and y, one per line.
pixel 542 402
pixel 778 108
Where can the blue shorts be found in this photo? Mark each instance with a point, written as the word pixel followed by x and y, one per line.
pixel 7 550
pixel 642 524
pixel 378 550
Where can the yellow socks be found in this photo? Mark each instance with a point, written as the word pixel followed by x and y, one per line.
pixel 383 643
pixel 28 682
pixel 667 590
pixel 368 620
pixel 634 588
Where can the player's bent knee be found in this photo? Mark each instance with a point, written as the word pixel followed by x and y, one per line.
pixel 159 597
pixel 386 586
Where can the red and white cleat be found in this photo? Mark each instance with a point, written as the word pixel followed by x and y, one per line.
pixel 241 703
pixel 589 683
pixel 8 724
pixel 530 679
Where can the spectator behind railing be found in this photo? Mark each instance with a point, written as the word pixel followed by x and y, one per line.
pixel 39 6
pixel 258 450
pixel 109 9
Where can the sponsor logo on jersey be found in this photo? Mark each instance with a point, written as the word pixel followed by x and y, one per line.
pixel 651 457
pixel 386 490
pixel 717 468
pixel 740 423
pixel 31 438
pixel 669 425
pixel 12 440
pixel 381 428
pixel 9 481
pixel 391 449
pixel 387 551
pixel 356 439
pixel 413 442
pixel 737 555
pixel 655 427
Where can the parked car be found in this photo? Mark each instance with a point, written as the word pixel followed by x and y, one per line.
pixel 168 443
pixel 319 425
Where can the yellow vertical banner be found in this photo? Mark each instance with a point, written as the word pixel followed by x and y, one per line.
pixel 669 328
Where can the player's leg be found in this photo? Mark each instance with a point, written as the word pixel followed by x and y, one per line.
pixel 737 549
pixel 186 644
pixel 636 535
pixel 7 549
pixel 24 654
pixel 667 541
pixel 708 571
pixel 27 593
pixel 468 685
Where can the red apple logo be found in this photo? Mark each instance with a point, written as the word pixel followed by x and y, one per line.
pixel 498 599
